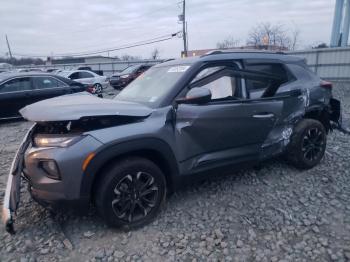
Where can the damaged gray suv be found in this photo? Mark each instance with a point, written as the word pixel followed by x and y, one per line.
pixel 186 117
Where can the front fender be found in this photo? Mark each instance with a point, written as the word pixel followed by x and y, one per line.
pixel 113 150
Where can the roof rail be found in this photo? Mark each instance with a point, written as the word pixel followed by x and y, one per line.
pixel 166 60
pixel 229 51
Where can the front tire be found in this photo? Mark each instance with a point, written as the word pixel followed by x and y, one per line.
pixel 307 144
pixel 131 193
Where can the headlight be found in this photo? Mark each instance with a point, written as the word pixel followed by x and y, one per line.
pixel 55 141
pixel 124 76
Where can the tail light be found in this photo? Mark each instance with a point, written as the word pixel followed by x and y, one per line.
pixel 326 85
pixel 91 89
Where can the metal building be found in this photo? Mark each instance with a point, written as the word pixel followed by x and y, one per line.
pixel 341 23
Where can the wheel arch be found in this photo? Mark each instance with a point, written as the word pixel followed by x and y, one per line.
pixel 320 113
pixel 153 149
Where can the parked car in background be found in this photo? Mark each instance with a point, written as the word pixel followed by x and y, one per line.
pixel 87 78
pixel 122 79
pixel 30 70
pixel 88 68
pixel 20 89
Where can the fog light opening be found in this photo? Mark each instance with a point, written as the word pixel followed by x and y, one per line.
pixel 50 168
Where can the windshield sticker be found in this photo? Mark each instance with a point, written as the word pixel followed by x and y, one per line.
pixel 178 69
pixel 152 99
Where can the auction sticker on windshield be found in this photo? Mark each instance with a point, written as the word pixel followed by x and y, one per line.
pixel 178 69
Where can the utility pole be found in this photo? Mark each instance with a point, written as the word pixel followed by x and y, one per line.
pixel 184 26
pixel 8 45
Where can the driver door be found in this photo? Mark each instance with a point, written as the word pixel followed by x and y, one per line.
pixel 229 129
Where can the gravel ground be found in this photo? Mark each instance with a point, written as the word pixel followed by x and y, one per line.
pixel 269 213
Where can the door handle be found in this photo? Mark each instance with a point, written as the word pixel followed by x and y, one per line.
pixel 264 115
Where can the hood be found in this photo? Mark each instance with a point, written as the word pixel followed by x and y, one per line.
pixel 119 75
pixel 78 105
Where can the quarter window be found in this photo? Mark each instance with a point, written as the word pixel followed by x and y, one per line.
pixel 15 85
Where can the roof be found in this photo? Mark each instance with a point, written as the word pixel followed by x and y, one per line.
pixel 7 75
pixel 235 54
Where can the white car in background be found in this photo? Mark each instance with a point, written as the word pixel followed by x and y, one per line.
pixel 87 78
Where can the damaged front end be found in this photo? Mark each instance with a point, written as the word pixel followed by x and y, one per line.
pixel 12 193
pixel 61 123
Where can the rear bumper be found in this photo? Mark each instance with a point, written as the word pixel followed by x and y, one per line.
pixel 118 83
pixel 337 121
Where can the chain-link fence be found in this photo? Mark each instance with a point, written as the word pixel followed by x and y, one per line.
pixel 107 68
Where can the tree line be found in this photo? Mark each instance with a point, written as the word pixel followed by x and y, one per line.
pixel 268 36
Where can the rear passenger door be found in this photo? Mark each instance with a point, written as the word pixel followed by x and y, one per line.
pixel 14 94
pixel 233 127
pixel 45 87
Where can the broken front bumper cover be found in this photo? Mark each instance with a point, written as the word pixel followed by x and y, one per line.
pixel 12 193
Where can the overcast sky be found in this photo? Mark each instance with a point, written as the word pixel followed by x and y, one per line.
pixel 45 27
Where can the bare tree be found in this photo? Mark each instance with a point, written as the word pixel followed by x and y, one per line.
pixel 273 36
pixel 127 57
pixel 295 39
pixel 229 42
pixel 155 54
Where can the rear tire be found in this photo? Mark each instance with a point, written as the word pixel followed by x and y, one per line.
pixel 98 88
pixel 131 193
pixel 307 144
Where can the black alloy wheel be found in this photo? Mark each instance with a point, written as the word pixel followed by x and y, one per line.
pixel 135 196
pixel 307 144
pixel 130 192
pixel 313 143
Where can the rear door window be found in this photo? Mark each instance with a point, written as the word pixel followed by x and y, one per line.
pixel 85 75
pixel 16 85
pixel 256 88
pixel 46 82
pixel 74 76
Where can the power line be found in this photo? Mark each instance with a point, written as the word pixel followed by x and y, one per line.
pixel 126 46
pixel 103 49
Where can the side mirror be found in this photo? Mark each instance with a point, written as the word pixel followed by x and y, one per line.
pixel 196 95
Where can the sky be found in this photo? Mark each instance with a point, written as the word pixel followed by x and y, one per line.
pixel 49 27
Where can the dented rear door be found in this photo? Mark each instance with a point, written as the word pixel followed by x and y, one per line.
pixel 228 132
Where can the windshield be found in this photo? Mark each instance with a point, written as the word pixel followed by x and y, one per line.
pixel 64 73
pixel 130 69
pixel 152 85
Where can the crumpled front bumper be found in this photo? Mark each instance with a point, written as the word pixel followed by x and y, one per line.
pixel 12 193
